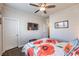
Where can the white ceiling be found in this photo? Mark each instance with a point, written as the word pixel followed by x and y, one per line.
pixel 27 8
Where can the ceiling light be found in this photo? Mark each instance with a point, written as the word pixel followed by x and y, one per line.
pixel 42 8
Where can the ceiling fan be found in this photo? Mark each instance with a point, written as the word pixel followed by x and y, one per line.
pixel 42 7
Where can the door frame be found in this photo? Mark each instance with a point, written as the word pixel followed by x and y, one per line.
pixel 1 37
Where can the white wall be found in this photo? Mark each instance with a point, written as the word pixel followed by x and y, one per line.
pixel 70 14
pixel 24 18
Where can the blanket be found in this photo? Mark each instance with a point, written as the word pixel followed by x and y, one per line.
pixel 51 47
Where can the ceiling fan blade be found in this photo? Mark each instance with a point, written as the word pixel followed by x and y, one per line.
pixel 36 11
pixel 45 12
pixel 51 6
pixel 34 5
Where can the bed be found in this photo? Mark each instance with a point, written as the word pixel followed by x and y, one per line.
pixel 51 47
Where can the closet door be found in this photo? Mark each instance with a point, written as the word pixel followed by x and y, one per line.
pixel 10 31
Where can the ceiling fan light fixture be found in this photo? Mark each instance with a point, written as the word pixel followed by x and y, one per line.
pixel 42 9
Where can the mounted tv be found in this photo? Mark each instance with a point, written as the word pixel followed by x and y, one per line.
pixel 32 26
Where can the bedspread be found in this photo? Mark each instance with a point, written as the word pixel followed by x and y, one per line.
pixel 51 47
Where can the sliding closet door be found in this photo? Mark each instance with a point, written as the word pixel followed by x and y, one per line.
pixel 10 31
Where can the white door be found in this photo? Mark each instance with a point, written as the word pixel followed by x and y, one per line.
pixel 0 41
pixel 10 31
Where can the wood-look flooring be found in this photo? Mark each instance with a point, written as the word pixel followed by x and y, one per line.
pixel 13 52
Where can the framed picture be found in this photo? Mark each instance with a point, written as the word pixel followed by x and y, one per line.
pixel 62 24
pixel 32 26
